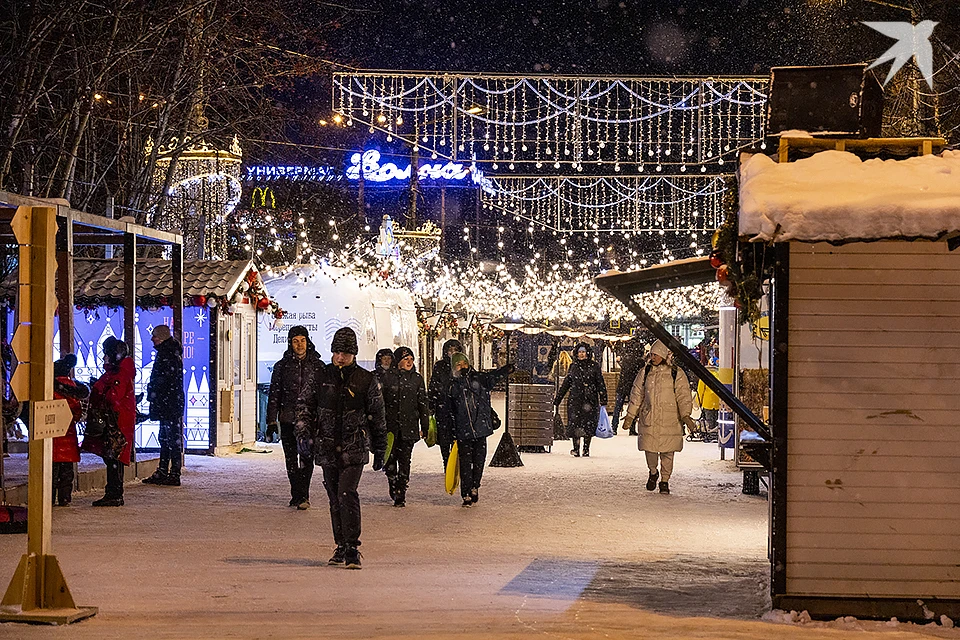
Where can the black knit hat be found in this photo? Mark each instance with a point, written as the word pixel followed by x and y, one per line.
pixel 298 330
pixel 401 353
pixel 62 366
pixel 345 341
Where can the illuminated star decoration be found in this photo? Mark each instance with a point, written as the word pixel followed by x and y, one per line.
pixel 912 42
pixel 200 317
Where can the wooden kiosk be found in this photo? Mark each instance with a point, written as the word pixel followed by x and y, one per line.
pixel 863 443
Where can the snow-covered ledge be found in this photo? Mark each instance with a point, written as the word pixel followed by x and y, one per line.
pixel 835 196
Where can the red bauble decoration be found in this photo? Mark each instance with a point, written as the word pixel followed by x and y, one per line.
pixel 715 260
pixel 199 301
pixel 263 303
pixel 722 273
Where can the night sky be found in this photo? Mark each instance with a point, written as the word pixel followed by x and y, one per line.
pixel 620 37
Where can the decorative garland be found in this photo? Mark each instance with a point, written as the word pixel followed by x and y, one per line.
pixel 742 267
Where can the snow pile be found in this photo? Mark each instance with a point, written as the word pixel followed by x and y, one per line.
pixel 851 623
pixel 836 196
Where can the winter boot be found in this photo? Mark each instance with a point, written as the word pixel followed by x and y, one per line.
pixel 475 496
pixel 467 501
pixel 338 555
pixel 575 452
pixel 652 481
pixel 586 448
pixel 172 480
pixel 303 506
pixel 351 558
pixel 108 502
pixel 158 477
pixel 399 500
pixel 664 487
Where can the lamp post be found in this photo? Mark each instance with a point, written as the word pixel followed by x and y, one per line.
pixel 506 454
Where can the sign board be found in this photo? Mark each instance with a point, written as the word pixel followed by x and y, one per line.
pixel 50 419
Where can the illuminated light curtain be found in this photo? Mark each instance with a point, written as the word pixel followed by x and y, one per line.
pixel 562 122
pixel 205 189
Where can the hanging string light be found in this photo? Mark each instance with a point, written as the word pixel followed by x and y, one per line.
pixel 509 120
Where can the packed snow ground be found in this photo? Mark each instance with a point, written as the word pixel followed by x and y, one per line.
pixel 561 548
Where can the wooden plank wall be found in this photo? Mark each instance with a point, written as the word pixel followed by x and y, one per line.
pixel 873 482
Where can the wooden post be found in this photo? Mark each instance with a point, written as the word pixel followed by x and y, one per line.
pixel 779 368
pixel 65 283
pixel 130 291
pixel 38 591
pixel 177 303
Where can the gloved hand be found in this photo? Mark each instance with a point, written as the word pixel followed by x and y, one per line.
pixel 377 461
pixel 305 448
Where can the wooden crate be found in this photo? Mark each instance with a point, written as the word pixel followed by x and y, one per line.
pixel 531 414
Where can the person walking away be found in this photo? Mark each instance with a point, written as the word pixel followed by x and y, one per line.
pixel 294 376
pixel 468 401
pixel 632 365
pixel 66 449
pixel 588 393
pixel 341 420
pixel 166 397
pixel 408 419
pixel 437 397
pixel 383 362
pixel 660 399
pixel 709 403
pixel 113 395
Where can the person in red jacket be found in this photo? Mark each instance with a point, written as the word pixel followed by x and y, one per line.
pixel 66 450
pixel 114 391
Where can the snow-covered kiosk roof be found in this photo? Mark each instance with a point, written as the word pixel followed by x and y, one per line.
pixel 835 196
pixel 866 362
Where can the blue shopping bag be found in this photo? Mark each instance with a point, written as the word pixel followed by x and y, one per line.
pixel 604 430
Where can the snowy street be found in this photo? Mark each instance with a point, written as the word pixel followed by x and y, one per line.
pixel 563 547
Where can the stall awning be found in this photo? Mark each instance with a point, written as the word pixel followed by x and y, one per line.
pixel 681 273
pixel 672 275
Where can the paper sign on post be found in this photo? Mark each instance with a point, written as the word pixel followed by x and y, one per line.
pixel 50 419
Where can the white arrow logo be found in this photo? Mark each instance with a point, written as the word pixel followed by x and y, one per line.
pixel 913 41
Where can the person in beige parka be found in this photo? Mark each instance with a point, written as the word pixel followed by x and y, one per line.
pixel 661 398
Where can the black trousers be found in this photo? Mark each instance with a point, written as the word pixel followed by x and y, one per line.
pixel 299 468
pixel 171 446
pixel 114 488
pixel 398 467
pixel 341 485
pixel 62 482
pixel 473 455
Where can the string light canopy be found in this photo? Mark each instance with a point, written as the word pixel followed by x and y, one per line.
pixel 204 189
pixel 674 204
pixel 559 122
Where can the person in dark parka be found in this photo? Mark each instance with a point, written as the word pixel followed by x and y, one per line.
pixel 588 393
pixel 294 375
pixel 437 396
pixel 166 397
pixel 631 366
pixel 468 401
pixel 340 421
pixel 408 419
pixel 383 362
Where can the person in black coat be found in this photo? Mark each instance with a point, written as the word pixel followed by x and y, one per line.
pixel 588 393
pixel 408 419
pixel 468 402
pixel 166 396
pixel 437 397
pixel 630 368
pixel 340 421
pixel 297 373
pixel 382 363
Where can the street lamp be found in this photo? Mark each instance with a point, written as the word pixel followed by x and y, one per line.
pixel 506 454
